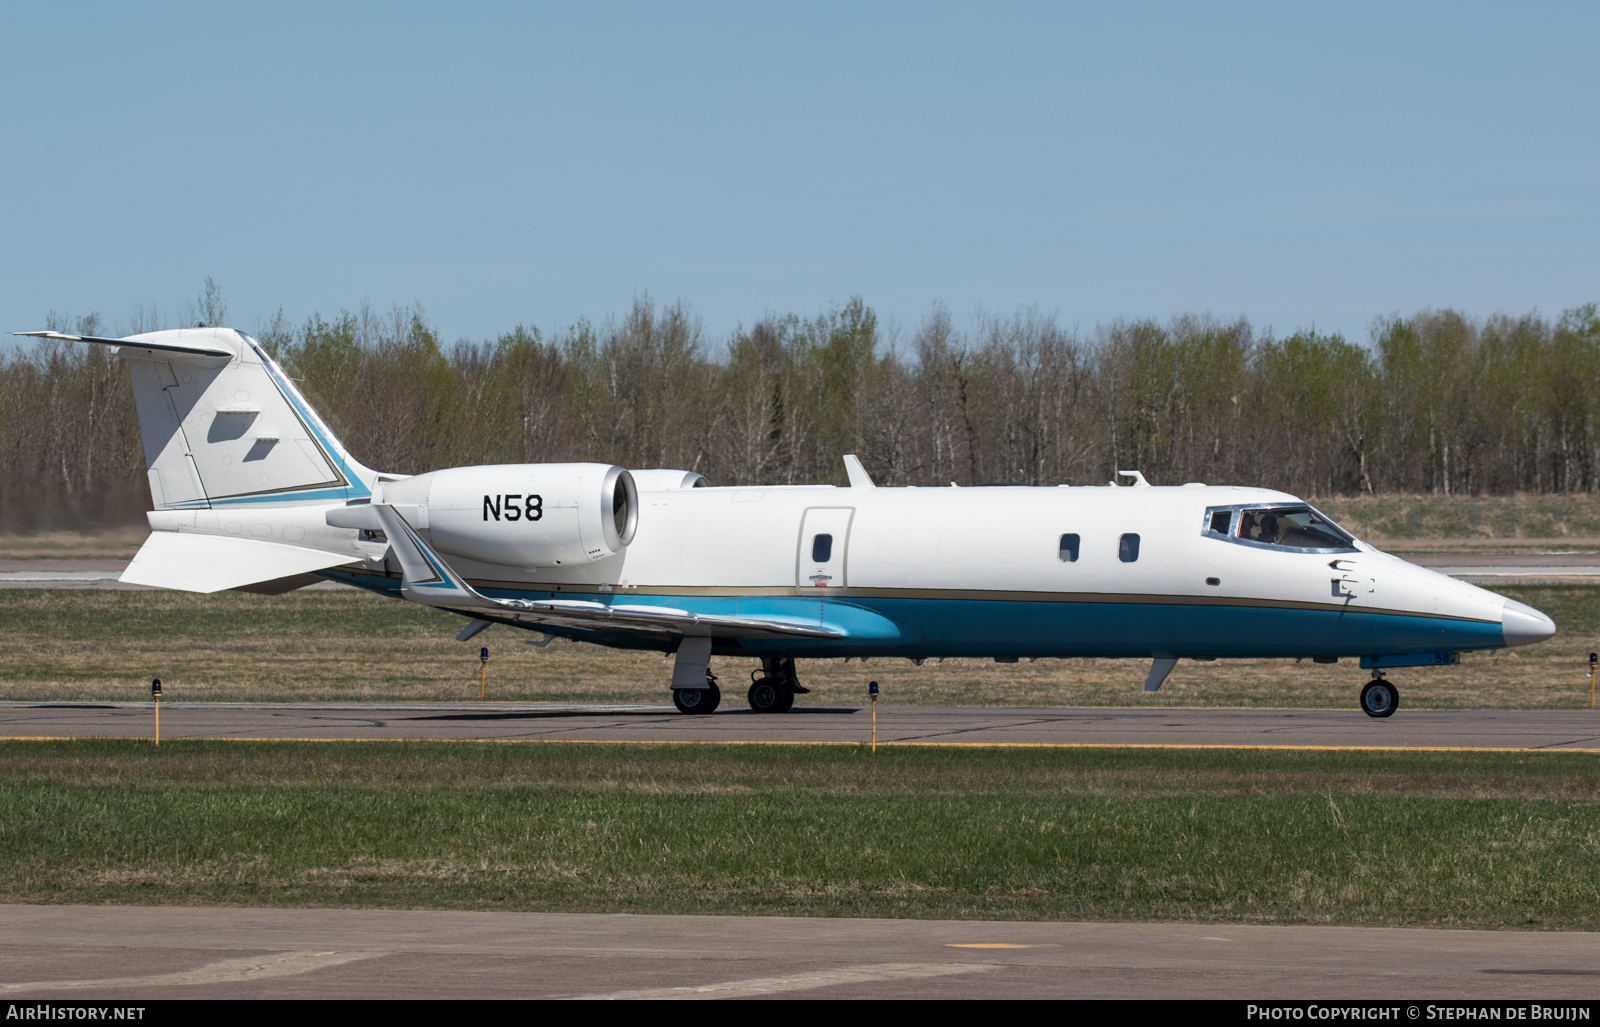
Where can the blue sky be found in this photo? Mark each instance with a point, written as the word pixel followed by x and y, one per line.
pixel 1297 164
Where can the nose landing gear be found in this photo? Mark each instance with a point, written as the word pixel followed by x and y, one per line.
pixel 1380 698
pixel 773 691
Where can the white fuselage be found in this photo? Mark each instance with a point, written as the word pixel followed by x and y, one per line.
pixel 965 571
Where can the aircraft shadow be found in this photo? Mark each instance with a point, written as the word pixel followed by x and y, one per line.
pixel 652 714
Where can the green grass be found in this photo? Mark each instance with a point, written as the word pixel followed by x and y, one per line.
pixel 1469 839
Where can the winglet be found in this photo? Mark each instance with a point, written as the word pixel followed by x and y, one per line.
pixel 859 479
pixel 1138 479
pixel 427 579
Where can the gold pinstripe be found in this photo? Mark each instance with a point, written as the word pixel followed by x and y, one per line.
pixel 946 594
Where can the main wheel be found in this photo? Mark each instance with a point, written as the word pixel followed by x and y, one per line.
pixel 697 700
pixel 768 696
pixel 1379 698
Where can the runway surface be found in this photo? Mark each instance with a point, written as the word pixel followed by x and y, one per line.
pixel 1572 730
pixel 133 953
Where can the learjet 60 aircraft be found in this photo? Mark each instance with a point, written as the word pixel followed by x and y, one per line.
pixel 253 492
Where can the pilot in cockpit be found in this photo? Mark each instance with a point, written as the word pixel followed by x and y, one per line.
pixel 1297 529
pixel 1258 526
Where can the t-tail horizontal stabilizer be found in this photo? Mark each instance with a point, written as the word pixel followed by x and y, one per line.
pixel 169 349
pixel 211 563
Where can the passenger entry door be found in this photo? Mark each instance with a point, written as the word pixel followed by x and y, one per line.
pixel 823 550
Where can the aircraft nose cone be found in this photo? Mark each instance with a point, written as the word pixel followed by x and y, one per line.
pixel 1523 625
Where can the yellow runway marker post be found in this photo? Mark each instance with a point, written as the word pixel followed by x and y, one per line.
pixel 155 697
pixel 1593 658
pixel 483 676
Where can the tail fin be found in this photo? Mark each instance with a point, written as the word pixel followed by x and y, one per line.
pixel 223 425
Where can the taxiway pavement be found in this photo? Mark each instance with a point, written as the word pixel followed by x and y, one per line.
pixel 919 725
pixel 133 953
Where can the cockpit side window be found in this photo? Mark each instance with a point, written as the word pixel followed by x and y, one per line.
pixel 1296 527
pixel 1291 526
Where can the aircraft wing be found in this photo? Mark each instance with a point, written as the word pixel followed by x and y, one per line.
pixel 660 620
pixel 428 580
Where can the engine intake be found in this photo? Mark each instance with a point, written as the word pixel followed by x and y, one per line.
pixel 523 515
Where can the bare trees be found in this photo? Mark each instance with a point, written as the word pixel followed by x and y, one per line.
pixel 1440 403
pixel 69 438
pixel 1505 405
pixel 1009 401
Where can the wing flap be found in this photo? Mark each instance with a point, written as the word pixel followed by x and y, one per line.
pixel 211 563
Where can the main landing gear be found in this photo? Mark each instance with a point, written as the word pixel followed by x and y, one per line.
pixel 773 691
pixel 698 700
pixel 1380 698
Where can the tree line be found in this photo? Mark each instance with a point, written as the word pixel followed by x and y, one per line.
pixel 1439 403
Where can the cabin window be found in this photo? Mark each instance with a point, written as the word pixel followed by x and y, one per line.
pixel 822 549
pixel 1128 548
pixel 1296 527
pixel 1069 549
pixel 1221 521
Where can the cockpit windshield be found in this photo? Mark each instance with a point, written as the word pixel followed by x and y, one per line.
pixel 1296 527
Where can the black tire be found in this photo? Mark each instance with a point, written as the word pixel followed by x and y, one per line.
pixel 1380 698
pixel 769 696
pixel 697 700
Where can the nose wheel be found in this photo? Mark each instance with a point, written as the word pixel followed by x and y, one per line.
pixel 1379 698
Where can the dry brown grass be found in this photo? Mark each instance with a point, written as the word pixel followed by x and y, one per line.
pixel 1394 518
pixel 346 645
pixel 99 544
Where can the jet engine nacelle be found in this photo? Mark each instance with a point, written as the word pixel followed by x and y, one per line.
pixel 661 479
pixel 523 515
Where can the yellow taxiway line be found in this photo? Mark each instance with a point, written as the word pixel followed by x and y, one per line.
pixel 902 745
